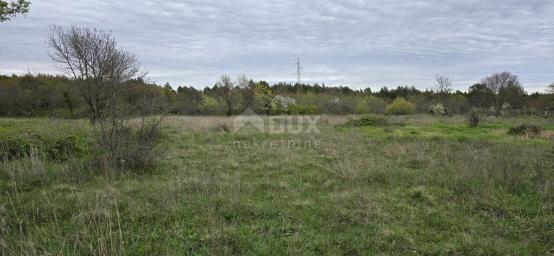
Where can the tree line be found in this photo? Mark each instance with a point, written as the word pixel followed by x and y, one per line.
pixel 62 96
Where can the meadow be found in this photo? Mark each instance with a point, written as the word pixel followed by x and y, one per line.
pixel 415 185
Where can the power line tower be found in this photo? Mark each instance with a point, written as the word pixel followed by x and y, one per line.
pixel 298 71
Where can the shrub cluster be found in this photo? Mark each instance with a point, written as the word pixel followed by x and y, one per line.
pixel 368 120
pixel 400 106
pixel 301 109
pixel 127 146
pixel 53 147
pixel 525 129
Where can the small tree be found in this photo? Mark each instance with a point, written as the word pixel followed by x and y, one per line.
pixel 246 87
pixel 94 60
pixel 444 84
pixel 101 70
pixel 226 88
pixel 444 88
pixel 474 118
pixel 481 96
pixel 263 97
pixel 506 89
pixel 9 10
pixel 67 100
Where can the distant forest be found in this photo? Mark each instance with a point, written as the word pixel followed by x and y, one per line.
pixel 59 96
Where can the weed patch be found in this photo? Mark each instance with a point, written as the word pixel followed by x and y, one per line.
pixel 54 147
pixel 525 130
pixel 368 120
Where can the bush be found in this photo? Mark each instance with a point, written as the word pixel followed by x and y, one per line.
pixel 124 145
pixel 400 106
pixel 474 119
pixel 376 105
pixel 362 107
pixel 52 147
pixel 368 120
pixel 525 130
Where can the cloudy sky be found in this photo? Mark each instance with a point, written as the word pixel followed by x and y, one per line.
pixel 350 42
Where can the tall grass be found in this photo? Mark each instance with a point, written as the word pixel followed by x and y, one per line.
pixel 421 188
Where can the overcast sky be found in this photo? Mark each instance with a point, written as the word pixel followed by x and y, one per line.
pixel 350 42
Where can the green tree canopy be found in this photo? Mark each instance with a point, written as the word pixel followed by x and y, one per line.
pixel 481 96
pixel 10 9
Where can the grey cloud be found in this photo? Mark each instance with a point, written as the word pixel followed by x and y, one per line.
pixel 350 42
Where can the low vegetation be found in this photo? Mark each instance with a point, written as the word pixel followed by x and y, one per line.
pixel 430 186
pixel 474 119
pixel 400 106
pixel 525 129
pixel 18 141
pixel 368 120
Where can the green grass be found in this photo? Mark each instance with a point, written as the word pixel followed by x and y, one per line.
pixel 492 131
pixel 419 188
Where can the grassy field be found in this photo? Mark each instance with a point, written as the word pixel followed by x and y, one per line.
pixel 421 185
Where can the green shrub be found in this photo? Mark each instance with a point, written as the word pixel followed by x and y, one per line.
pixel 52 147
pixel 14 147
pixel 301 109
pixel 368 120
pixel 525 129
pixel 376 105
pixel 362 107
pixel 400 106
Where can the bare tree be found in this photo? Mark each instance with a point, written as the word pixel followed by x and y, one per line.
pixel 551 88
pixel 498 81
pixel 444 84
pixel 101 69
pixel 444 87
pixel 227 88
pixel 506 88
pixel 94 60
